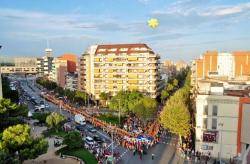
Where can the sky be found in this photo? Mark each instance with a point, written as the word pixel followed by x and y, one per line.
pixel 187 28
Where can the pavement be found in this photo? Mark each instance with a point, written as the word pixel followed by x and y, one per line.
pixel 50 157
pixel 165 151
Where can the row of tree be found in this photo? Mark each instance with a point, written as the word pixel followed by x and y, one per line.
pixel 16 144
pixel 175 115
pixel 73 96
pixel 173 84
pixel 134 102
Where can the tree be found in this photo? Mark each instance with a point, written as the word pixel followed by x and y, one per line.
pixel 14 137
pixel 11 113
pixel 37 147
pixel 104 97
pixel 73 140
pixel 125 100
pixel 54 120
pixel 17 139
pixel 70 94
pixel 6 158
pixel 175 115
pixel 164 95
pixel 50 85
pixel 175 83
pixel 81 97
pixel 59 90
pixel 146 109
pixel 41 117
pixel 7 92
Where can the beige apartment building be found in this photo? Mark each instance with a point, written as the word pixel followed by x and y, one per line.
pixel 116 67
pixel 22 65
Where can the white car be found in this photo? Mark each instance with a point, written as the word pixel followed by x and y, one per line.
pixel 89 141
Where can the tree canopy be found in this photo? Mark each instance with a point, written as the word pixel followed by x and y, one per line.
pixel 175 115
pixel 54 120
pixel 73 140
pixel 173 84
pixel 125 100
pixel 146 108
pixel 17 139
pixel 7 92
pixel 11 113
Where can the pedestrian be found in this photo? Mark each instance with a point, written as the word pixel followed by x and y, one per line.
pixel 153 156
pixel 134 152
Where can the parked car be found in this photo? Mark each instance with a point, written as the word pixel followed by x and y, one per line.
pixel 80 127
pixel 89 141
pixel 98 139
pixel 92 130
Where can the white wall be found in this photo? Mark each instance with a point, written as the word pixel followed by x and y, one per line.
pixel 225 64
pixel 228 108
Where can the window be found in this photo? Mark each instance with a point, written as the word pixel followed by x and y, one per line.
pixel 204 125
pixel 214 123
pixel 215 110
pixel 205 110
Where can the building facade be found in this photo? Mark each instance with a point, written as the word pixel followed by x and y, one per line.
pixel 112 68
pixel 71 81
pixel 18 70
pixel 222 122
pixel 71 61
pixel 227 66
pixel 22 65
pixel 62 68
pixel 58 71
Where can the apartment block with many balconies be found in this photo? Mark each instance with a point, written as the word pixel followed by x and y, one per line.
pixel 112 68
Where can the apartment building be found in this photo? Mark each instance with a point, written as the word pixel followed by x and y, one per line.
pixel 25 61
pixel 180 65
pixel 227 66
pixel 21 65
pixel 222 121
pixel 58 71
pixel 71 61
pixel 63 66
pixel 18 70
pixel 44 64
pixel 115 67
pixel 71 81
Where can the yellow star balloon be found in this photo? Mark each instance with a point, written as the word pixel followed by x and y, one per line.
pixel 153 23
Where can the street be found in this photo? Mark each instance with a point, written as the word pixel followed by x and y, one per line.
pixel 164 152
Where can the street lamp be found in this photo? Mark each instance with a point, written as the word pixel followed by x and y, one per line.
pixel 221 125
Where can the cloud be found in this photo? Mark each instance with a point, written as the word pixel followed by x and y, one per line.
pixel 227 10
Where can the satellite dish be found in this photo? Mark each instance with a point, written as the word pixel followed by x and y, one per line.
pixel 153 23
